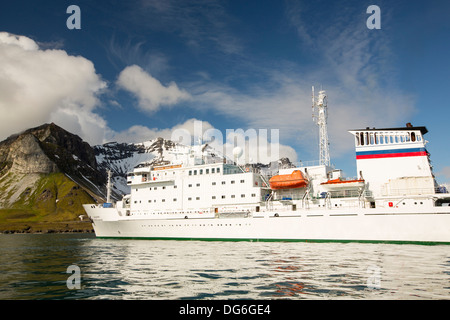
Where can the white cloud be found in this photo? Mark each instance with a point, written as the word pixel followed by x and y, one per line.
pixel 38 86
pixel 258 146
pixel 140 133
pixel 149 91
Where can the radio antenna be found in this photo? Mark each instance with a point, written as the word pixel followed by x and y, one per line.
pixel 320 115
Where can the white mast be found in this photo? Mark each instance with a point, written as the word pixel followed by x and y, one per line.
pixel 108 188
pixel 319 105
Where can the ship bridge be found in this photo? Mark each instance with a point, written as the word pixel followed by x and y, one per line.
pixel 394 160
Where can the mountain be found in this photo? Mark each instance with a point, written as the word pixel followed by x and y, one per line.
pixel 46 174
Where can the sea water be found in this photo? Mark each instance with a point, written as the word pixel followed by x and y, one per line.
pixel 80 266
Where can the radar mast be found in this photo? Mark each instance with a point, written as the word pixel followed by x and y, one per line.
pixel 320 115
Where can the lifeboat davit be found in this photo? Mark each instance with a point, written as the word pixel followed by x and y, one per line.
pixel 339 184
pixel 288 181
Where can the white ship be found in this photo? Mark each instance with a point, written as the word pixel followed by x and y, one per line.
pixel 394 199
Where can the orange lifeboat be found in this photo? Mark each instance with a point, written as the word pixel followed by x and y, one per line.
pixel 288 181
pixel 338 184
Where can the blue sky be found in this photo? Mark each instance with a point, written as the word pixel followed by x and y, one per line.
pixel 140 69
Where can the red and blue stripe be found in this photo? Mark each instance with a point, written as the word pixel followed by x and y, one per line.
pixel 394 153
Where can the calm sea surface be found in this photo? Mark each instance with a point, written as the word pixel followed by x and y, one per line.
pixel 35 266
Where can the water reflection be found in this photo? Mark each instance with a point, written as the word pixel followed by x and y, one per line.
pixel 34 267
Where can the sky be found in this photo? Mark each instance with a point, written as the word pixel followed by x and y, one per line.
pixel 139 69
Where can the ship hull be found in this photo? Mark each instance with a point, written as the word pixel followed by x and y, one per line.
pixel 315 225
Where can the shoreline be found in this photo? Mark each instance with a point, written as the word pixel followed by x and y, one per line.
pixel 46 227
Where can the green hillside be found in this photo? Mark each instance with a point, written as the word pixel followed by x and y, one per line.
pixel 52 202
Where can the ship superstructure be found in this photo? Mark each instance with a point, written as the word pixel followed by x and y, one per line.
pixel 201 196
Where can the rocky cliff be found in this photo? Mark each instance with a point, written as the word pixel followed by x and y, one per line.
pixel 47 173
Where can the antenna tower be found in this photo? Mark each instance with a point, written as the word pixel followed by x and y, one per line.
pixel 320 115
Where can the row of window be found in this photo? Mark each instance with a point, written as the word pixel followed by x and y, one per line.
pixel 372 138
pixel 215 183
pixel 200 171
pixel 197 185
pixel 197 225
pixel 197 198
pixel 191 172
pixel 156 188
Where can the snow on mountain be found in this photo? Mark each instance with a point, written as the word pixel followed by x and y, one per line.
pixel 122 158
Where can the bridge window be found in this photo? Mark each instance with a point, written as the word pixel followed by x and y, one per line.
pixel 362 138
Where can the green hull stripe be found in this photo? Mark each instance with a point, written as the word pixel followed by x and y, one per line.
pixel 430 243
